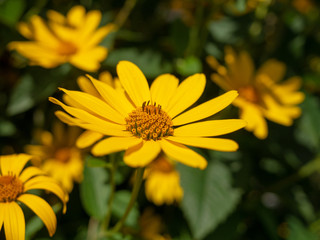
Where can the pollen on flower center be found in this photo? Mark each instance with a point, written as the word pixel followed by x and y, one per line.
pixel 249 93
pixel 10 188
pixel 67 48
pixel 149 122
pixel 63 155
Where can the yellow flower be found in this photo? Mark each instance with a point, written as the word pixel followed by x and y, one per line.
pixel 151 226
pixel 260 94
pixel 14 187
pixel 58 156
pixel 145 121
pixel 162 182
pixel 72 39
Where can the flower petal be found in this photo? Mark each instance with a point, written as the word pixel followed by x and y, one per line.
pixel 272 68
pixel 87 138
pixel 209 128
pixel 134 82
pixel 186 94
pixel 206 109
pixel 56 17
pixel 183 154
pixel 30 172
pixel 114 144
pixel 99 35
pixel 42 209
pixel 14 224
pixel 49 184
pixel 142 154
pixel 96 105
pixel 14 163
pixel 86 86
pixel 2 216
pixel 112 97
pixel 76 15
pixel 217 144
pixel 163 89
pixel 89 60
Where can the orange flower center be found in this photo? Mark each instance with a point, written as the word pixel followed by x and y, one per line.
pixel 249 93
pixel 161 164
pixel 10 188
pixel 67 48
pixel 63 155
pixel 149 122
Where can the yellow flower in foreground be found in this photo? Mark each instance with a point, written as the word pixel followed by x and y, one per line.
pixel 260 94
pixel 72 39
pixel 14 186
pixel 162 182
pixel 58 156
pixel 145 121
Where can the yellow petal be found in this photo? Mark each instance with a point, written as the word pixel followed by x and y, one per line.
pixel 86 86
pixel 272 68
pixel 56 17
pixel 111 96
pixel 96 105
pixel 134 82
pixel 42 209
pixel 222 82
pixel 89 60
pixel 209 128
pixel 76 15
pixel 183 154
pixel 91 22
pixel 88 138
pixel 49 184
pixel 142 154
pixel 14 224
pixel 206 109
pixel 246 68
pixel 30 172
pixel 114 144
pixel 163 89
pixel 99 35
pixel 186 94
pixel 25 30
pixel 217 144
pixel 2 216
pixel 13 164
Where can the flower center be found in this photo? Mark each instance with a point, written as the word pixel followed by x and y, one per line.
pixel 249 93
pixel 63 155
pixel 10 188
pixel 67 48
pixel 149 122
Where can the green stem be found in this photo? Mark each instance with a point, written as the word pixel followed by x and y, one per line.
pixel 124 12
pixel 113 169
pixel 134 195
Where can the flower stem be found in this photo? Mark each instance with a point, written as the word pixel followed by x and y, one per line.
pixel 134 195
pixel 124 12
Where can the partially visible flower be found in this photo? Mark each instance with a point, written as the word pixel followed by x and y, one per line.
pixel 303 6
pixel 58 156
pixel 146 121
pixel 151 226
pixel 260 93
pixel 162 184
pixel 72 39
pixel 14 186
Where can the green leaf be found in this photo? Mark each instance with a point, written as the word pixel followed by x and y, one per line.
pixel 224 30
pixel 11 11
pixel 149 61
pixel 188 66
pixel 297 230
pixel 97 162
pixel 95 191
pixel 119 205
pixel 208 197
pixel 7 128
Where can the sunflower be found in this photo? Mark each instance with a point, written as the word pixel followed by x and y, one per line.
pixel 57 155
pixel 163 182
pixel 72 39
pixel 15 184
pixel 146 121
pixel 260 93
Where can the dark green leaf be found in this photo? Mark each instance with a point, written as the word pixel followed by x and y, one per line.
pixel 6 128
pixel 297 230
pixel 11 11
pixel 95 191
pixel 224 30
pixel 208 197
pixel 188 66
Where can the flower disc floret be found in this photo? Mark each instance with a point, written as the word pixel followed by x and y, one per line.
pixel 149 122
pixel 10 188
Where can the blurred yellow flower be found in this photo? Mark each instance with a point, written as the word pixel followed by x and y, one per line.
pixel 15 184
pixel 260 93
pixel 58 156
pixel 151 226
pixel 146 121
pixel 72 39
pixel 162 182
